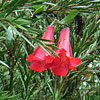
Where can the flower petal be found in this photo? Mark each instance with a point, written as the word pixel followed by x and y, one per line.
pixel 62 50
pixel 69 51
pixel 49 33
pixel 49 59
pixel 39 53
pixel 72 67
pixel 64 42
pixel 38 56
pixel 31 58
pixel 59 70
pixel 60 65
pixel 74 62
pixel 38 66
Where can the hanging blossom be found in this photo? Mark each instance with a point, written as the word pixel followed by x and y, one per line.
pixel 60 65
pixel 38 58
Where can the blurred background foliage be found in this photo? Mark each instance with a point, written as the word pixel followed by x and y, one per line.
pixel 22 23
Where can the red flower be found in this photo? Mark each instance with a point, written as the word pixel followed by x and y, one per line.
pixel 38 56
pixel 60 65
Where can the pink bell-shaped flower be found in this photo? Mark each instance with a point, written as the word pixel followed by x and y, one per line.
pixel 38 56
pixel 60 65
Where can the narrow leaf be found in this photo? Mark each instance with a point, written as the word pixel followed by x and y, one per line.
pixel 70 17
pixel 1 62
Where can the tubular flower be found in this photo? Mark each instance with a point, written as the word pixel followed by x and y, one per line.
pixel 60 65
pixel 38 56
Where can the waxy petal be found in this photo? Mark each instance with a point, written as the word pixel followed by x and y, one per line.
pixel 64 42
pixel 60 65
pixel 49 34
pixel 72 67
pixel 59 68
pixel 74 62
pixel 49 59
pixel 38 56
pixel 62 50
pixel 31 58
pixel 69 52
pixel 38 66
pixel 39 53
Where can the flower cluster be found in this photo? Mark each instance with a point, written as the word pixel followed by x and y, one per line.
pixel 58 64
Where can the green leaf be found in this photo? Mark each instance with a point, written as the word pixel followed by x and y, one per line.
pixel 70 17
pixel 13 97
pixel 40 9
pixel 22 36
pixel 52 51
pixel 13 5
pixel 21 27
pixel 1 62
pixel 21 21
pixel 2 37
pixel 3 92
pixel 4 96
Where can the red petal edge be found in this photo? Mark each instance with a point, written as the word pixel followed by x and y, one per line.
pixel 75 61
pixel 31 58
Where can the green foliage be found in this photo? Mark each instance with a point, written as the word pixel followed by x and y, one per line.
pixel 22 24
pixel 70 17
pixel 4 96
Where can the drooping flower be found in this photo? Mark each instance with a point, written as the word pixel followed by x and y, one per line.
pixel 60 65
pixel 38 56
